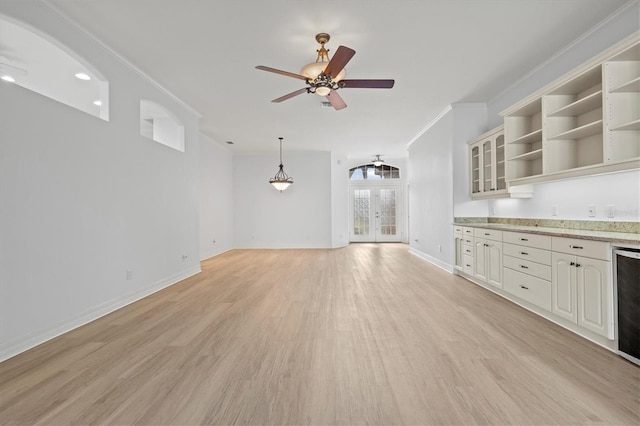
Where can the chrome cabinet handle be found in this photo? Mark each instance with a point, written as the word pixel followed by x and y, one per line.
pixel 575 247
pixel 524 267
pixel 524 239
pixel 524 253
pixel 523 287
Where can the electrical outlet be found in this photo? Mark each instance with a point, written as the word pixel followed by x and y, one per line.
pixel 129 274
pixel 439 248
pixel 591 210
pixel 611 211
pixel 554 210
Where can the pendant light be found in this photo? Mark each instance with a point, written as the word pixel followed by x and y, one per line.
pixel 378 161
pixel 281 180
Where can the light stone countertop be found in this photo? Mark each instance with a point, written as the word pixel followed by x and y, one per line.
pixel 613 237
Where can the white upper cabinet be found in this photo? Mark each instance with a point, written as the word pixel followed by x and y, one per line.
pixel 487 159
pixel 587 122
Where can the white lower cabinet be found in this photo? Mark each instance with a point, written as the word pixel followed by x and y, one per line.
pixel 581 290
pixel 487 251
pixel 569 277
pixel 529 288
pixel 488 261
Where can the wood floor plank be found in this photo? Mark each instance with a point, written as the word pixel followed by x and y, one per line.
pixel 366 334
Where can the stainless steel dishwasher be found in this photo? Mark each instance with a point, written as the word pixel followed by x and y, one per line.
pixel 627 287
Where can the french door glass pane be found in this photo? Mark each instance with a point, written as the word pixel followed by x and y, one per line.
pixel 361 209
pixel 387 211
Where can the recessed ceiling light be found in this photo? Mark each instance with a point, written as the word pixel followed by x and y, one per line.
pixel 83 76
pixel 97 103
pixel 8 78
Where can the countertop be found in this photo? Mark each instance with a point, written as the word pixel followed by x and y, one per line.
pixel 613 237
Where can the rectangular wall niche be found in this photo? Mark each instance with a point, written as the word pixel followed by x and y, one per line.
pixel 158 124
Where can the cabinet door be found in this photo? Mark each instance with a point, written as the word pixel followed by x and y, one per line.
pixel 563 286
pixel 458 243
pixel 475 161
pixel 488 172
pixel 501 183
pixel 494 263
pixel 480 259
pixel 593 295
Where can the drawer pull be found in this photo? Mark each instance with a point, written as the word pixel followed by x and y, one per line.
pixel 524 288
pixel 486 245
pixel 524 266
pixel 577 265
pixel 524 253
pixel 467 241
pixel 468 266
pixel 524 239
pixel 572 263
pixel 486 233
pixel 576 247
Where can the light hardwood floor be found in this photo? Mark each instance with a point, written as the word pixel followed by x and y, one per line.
pixel 366 334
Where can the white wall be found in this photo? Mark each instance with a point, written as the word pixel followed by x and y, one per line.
pixel 216 198
pixel 83 200
pixel 299 217
pixel 339 201
pixel 572 196
pixel 438 182
pixel 430 193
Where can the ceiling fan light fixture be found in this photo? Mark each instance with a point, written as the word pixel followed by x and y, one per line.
pixel 378 161
pixel 281 180
pixel 323 90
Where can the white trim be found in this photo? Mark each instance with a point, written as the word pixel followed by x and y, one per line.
pixel 23 344
pixel 430 124
pixel 434 261
pixel 564 50
pixel 211 256
pixel 116 55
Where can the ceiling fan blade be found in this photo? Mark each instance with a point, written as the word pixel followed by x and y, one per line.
pixel 287 73
pixel 290 95
pixel 336 100
pixel 368 84
pixel 339 60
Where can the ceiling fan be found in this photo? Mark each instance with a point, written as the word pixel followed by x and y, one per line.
pixel 325 76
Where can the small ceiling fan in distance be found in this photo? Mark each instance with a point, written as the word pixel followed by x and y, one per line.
pixel 325 76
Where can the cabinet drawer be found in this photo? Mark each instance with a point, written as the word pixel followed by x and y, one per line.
pixel 457 230
pixel 467 250
pixel 529 240
pixel 528 253
pixel 528 267
pixel 467 231
pixel 579 247
pixel 467 263
pixel 467 240
pixel 489 234
pixel 527 287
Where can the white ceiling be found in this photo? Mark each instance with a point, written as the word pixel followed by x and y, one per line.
pixel 438 51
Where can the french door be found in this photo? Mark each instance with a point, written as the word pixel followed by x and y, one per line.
pixel 375 214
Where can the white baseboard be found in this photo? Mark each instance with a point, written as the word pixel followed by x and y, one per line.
pixel 214 254
pixel 437 262
pixel 22 344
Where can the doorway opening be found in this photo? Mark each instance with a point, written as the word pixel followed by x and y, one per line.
pixel 375 204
